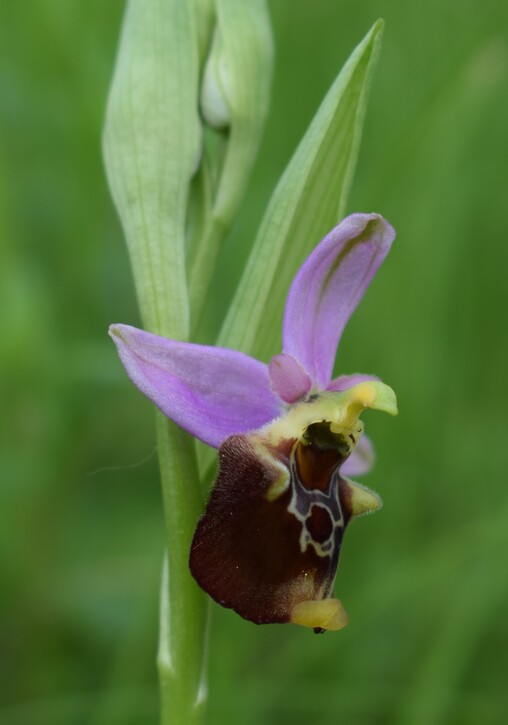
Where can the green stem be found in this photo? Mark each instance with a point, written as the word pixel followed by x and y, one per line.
pixel 203 267
pixel 184 609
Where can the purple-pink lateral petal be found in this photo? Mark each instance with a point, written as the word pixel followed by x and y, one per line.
pixel 327 289
pixel 361 459
pixel 211 392
pixel 289 380
pixel 344 382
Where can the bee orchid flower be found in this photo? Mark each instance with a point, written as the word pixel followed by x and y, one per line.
pixel 289 436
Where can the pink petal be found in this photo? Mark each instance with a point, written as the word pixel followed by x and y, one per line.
pixel 344 382
pixel 289 380
pixel 327 289
pixel 211 392
pixel 361 459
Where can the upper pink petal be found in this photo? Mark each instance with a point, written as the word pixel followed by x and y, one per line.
pixel 327 289
pixel 211 392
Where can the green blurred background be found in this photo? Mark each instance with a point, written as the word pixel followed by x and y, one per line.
pixel 81 530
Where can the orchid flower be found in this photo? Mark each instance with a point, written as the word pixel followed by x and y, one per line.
pixel 288 436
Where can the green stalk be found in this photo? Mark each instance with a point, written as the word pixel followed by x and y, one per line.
pixel 152 142
pixel 203 267
pixel 184 609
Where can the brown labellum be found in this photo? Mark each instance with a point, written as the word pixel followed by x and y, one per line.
pixel 271 534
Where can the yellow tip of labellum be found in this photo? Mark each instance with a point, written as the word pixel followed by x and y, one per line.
pixel 320 614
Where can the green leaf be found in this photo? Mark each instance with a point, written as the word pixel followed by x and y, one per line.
pixel 308 201
pixel 152 145
pixel 235 98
